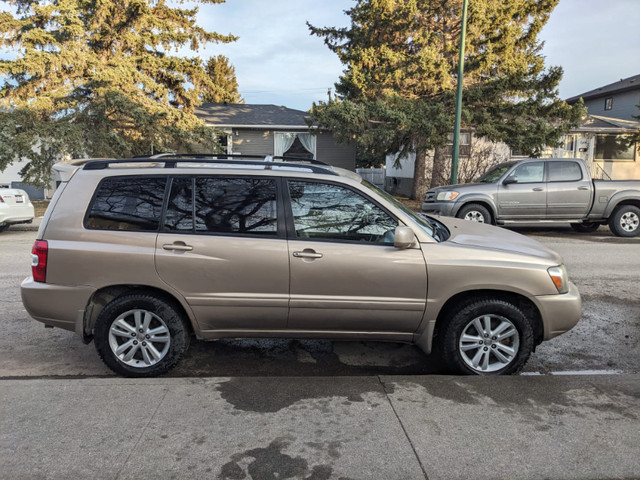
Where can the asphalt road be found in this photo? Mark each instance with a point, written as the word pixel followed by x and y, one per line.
pixel 607 339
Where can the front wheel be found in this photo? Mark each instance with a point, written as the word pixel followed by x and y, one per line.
pixel 487 336
pixel 625 221
pixel 140 335
pixel 475 213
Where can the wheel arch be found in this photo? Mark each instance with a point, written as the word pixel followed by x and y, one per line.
pixel 457 301
pixel 620 200
pixel 103 296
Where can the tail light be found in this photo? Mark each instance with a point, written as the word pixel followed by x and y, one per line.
pixel 1 199
pixel 39 254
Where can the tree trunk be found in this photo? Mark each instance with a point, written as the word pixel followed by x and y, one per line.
pixel 441 168
pixel 420 187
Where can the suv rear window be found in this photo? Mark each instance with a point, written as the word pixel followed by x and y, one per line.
pixel 223 205
pixel 127 203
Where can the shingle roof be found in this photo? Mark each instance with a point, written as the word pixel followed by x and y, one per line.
pixel 626 84
pixel 238 115
pixel 597 123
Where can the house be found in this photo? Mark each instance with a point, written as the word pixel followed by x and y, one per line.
pixel 616 100
pixel 274 130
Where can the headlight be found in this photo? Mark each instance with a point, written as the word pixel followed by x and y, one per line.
pixel 559 277
pixel 447 195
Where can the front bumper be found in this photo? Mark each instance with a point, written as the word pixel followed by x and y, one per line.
pixel 560 313
pixel 438 208
pixel 56 305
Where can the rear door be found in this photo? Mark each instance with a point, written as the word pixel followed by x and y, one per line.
pixel 528 197
pixel 346 274
pixel 223 247
pixel 569 193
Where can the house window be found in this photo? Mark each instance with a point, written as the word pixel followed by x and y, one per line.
pixel 465 144
pixel 608 103
pixel 294 144
pixel 614 147
pixel 224 139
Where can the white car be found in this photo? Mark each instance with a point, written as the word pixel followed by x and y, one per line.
pixel 15 207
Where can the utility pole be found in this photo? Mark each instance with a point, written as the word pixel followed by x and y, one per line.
pixel 456 129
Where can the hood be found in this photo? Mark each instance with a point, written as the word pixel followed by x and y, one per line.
pixel 496 239
pixel 454 187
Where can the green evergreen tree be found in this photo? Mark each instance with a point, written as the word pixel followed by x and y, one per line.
pixel 98 78
pixel 223 78
pixel 397 93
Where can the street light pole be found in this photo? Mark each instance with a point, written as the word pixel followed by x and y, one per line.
pixel 456 129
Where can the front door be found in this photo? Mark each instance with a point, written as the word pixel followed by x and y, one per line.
pixel 527 198
pixel 346 274
pixel 224 250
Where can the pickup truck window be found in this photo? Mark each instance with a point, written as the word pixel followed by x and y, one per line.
pixel 564 172
pixel 495 173
pixel 529 173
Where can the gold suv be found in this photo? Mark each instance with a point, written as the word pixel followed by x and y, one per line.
pixel 141 254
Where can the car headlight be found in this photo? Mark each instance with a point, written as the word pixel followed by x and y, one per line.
pixel 447 196
pixel 559 277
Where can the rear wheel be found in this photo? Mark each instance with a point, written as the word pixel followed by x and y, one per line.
pixel 585 227
pixel 140 336
pixel 625 221
pixel 487 336
pixel 3 228
pixel 475 212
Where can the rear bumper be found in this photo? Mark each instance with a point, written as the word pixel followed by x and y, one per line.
pixel 16 214
pixel 560 313
pixel 438 208
pixel 56 305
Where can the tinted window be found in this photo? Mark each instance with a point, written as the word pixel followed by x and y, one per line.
pixel 236 205
pixel 328 211
pixel 529 172
pixel 127 203
pixel 179 216
pixel 564 171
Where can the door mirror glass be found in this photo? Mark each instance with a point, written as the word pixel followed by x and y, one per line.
pixel 404 237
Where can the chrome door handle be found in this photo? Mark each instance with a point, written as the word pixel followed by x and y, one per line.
pixel 583 188
pixel 307 254
pixel 178 246
pixel 538 189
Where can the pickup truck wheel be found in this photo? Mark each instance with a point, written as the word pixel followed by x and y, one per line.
pixel 625 221
pixel 140 335
pixel 585 227
pixel 3 228
pixel 475 213
pixel 487 336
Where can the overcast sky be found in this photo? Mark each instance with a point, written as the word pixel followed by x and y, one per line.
pixel 597 42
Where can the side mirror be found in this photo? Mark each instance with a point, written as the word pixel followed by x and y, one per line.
pixel 404 238
pixel 510 180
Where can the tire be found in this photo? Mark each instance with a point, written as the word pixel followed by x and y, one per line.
pixel 475 212
pixel 506 344
pixel 3 228
pixel 148 354
pixel 625 221
pixel 585 227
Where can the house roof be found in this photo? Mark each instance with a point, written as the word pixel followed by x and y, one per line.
pixel 599 124
pixel 252 116
pixel 624 85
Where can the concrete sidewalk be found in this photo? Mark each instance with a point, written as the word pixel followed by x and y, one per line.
pixel 434 427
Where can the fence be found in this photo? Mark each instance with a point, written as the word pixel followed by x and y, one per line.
pixel 373 175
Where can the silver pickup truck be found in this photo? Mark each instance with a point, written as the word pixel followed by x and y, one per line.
pixel 542 191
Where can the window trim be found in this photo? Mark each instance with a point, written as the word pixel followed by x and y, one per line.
pixel 95 195
pixel 608 103
pixel 291 231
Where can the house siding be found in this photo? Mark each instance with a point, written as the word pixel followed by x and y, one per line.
pixel 253 142
pixel 624 105
pixel 333 153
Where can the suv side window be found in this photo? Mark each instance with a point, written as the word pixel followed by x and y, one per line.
pixel 564 172
pixel 332 212
pixel 127 203
pixel 529 172
pixel 236 205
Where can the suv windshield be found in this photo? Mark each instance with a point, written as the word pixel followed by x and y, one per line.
pixel 431 226
pixel 496 172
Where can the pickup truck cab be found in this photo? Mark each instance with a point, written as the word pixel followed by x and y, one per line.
pixel 546 190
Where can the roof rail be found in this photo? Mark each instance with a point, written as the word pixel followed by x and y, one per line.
pixel 170 160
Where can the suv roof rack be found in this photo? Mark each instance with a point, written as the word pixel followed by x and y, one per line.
pixel 170 160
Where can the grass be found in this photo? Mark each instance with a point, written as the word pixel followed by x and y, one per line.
pixel 40 206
